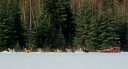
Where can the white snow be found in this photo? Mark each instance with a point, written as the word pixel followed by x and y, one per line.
pixel 63 60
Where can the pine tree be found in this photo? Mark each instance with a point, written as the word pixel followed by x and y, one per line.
pixel 10 23
pixel 60 41
pixel 109 26
pixel 121 17
pixel 122 31
pixel 43 30
pixel 61 19
pixel 97 30
pixel 19 28
pixel 59 15
pixel 83 20
pixel 3 37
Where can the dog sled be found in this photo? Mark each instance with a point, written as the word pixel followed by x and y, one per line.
pixel 113 50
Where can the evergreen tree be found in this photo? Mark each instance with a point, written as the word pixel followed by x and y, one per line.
pixel 3 37
pixel 109 26
pixel 10 23
pixel 104 28
pixel 60 41
pixel 43 30
pixel 108 30
pixel 68 26
pixel 83 20
pixel 122 23
pixel 61 19
pixel 122 31
pixel 19 28
pixel 97 30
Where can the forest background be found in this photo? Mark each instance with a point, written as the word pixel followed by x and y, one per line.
pixel 61 24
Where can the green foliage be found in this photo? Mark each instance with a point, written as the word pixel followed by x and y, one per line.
pixel 30 39
pixel 108 29
pixel 122 31
pixel 17 47
pixel 55 26
pixel 43 30
pixel 60 41
pixel 97 30
pixel 9 23
pixel 83 20
pixel 61 21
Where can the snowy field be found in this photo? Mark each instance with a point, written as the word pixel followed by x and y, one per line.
pixel 63 60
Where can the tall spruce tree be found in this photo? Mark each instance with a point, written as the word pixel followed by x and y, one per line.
pixel 64 21
pixel 61 20
pixel 3 26
pixel 122 23
pixel 19 28
pixel 43 28
pixel 97 30
pixel 83 20
pixel 10 23
pixel 109 26
pixel 104 28
pixel 122 31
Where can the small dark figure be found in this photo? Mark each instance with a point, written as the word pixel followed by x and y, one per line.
pixel 85 51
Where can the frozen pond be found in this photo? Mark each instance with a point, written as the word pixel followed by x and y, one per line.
pixel 64 60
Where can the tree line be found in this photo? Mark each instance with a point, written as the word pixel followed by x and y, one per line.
pixel 56 26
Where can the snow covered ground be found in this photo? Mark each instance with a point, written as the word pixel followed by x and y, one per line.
pixel 63 60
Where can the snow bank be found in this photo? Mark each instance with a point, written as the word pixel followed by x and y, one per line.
pixel 63 60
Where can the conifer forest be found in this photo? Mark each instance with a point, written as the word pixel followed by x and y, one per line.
pixel 62 24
